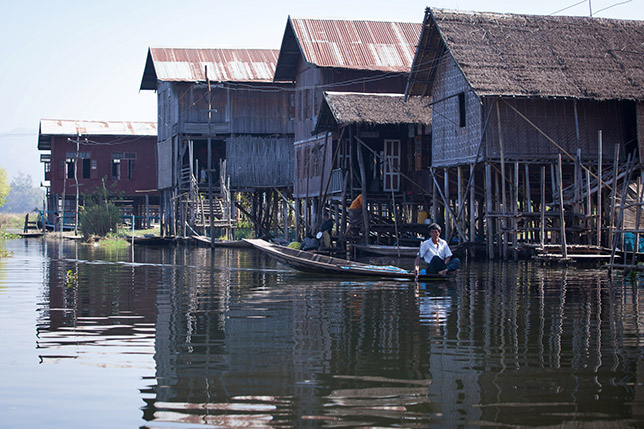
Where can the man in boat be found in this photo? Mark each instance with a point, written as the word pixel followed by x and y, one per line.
pixel 325 229
pixel 436 254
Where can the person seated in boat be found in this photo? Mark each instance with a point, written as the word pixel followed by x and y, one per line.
pixel 310 243
pixel 437 254
pixel 325 229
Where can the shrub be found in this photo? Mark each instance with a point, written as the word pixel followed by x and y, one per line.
pixel 98 219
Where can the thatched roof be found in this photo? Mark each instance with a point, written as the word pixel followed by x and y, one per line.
pixel 344 108
pixel 534 56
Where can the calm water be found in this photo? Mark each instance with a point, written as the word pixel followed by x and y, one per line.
pixel 186 338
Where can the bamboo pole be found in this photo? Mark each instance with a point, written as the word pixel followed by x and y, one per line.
pixel 542 233
pixel 600 153
pixel 472 207
pixel 503 196
pixel 365 207
pixel 613 193
pixel 564 249
pixel 488 211
pixel 515 205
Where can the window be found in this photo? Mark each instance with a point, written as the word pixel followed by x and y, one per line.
pixel 87 168
pixel 70 168
pixel 116 169
pixel 130 169
pixel 461 109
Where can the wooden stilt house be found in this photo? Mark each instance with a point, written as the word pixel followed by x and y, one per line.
pixel 380 149
pixel 224 128
pixel 83 157
pixel 537 122
pixel 335 55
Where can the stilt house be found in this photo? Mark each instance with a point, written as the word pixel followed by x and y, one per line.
pixel 218 111
pixel 528 113
pixel 336 55
pixel 381 150
pixel 82 157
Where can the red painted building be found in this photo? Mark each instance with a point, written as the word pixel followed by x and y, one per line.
pixel 90 155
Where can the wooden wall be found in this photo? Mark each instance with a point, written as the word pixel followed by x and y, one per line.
pixel 312 81
pixel 555 118
pixel 137 153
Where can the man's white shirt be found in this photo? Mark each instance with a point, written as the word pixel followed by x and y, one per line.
pixel 428 250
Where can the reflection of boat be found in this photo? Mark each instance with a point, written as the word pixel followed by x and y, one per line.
pixel 152 240
pixel 222 243
pixel 316 263
pixel 376 249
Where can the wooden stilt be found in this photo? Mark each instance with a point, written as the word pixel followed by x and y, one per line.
pixel 515 219
pixel 472 207
pixel 542 232
pixel 489 220
pixel 613 195
pixel 600 183
pixel 564 249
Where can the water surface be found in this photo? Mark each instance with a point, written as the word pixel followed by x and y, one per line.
pixel 188 337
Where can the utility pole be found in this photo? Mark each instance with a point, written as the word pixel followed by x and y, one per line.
pixel 212 209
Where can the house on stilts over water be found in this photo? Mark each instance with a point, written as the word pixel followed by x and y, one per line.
pixel 537 128
pixel 321 55
pixel 224 128
pixel 380 151
pixel 115 159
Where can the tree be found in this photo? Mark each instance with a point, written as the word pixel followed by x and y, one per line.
pixel 23 197
pixel 4 186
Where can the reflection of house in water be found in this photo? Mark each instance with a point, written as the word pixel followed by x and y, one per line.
pixel 97 311
pixel 502 351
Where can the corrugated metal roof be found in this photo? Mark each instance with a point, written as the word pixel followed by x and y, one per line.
pixel 362 45
pixel 224 65
pixel 55 127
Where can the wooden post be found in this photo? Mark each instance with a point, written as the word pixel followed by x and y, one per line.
pixel 210 194
pixel 488 211
pixel 613 196
pixel 599 187
pixel 446 201
pixel 503 210
pixel 472 206
pixel 528 201
pixel 365 207
pixel 543 206
pixel 564 249
pixel 640 196
pixel 515 205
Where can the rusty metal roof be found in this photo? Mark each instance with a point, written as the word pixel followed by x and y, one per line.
pixel 361 45
pixel 57 127
pixel 224 65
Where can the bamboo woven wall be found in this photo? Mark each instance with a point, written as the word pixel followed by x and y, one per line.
pixel 453 144
pixel 259 162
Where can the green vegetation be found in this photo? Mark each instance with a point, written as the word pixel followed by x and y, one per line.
pixel 4 186
pixel 12 221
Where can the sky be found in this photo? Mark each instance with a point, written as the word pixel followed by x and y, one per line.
pixel 73 59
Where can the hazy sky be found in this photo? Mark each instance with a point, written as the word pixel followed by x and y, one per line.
pixel 84 59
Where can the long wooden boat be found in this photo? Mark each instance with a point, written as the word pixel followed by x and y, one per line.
pixel 376 249
pixel 316 263
pixel 222 243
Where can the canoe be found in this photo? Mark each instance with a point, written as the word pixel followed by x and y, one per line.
pixel 152 240
pixel 310 262
pixel 222 243
pixel 376 249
